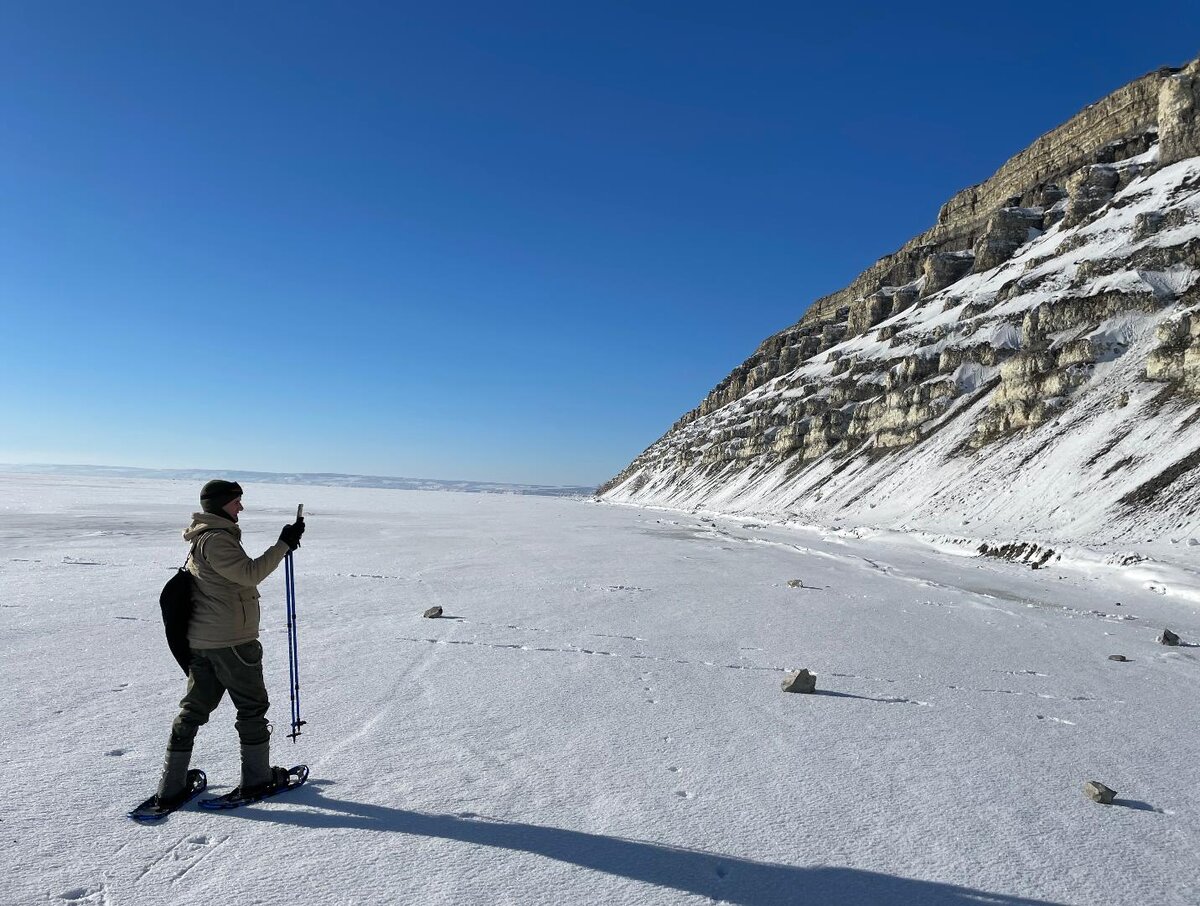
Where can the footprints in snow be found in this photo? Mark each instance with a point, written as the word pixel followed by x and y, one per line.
pixel 648 690
pixel 513 626
pixel 575 649
pixel 680 793
pixel 1045 695
pixel 644 677
pixel 891 700
pixel 510 645
pixel 627 638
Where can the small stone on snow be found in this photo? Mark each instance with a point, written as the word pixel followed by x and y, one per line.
pixel 800 681
pixel 1098 792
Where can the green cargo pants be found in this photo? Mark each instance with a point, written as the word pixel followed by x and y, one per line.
pixel 211 673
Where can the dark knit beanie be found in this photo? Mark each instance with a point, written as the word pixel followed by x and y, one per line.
pixel 217 493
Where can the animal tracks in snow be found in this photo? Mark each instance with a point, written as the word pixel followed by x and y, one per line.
pixel 644 677
pixel 648 690
pixel 886 700
pixel 675 771
pixel 577 649
pixel 571 649
pixel 1045 695
pixel 628 638
pixel 594 635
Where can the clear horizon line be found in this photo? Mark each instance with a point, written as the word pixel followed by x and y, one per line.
pixel 306 477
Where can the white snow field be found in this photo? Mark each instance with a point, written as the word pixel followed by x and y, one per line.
pixel 598 717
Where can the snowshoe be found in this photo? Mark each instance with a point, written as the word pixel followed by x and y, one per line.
pixel 283 779
pixel 155 809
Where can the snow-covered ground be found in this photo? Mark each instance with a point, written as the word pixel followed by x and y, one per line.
pixel 598 719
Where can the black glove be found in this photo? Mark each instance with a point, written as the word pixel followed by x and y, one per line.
pixel 291 534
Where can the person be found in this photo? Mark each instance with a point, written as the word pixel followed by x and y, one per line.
pixel 226 655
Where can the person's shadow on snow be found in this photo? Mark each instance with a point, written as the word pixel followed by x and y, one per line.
pixel 725 878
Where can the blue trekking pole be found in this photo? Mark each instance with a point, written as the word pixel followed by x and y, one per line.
pixel 289 573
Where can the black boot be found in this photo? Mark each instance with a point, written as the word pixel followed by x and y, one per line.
pixel 174 781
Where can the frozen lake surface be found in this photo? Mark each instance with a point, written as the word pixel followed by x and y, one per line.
pixel 598 717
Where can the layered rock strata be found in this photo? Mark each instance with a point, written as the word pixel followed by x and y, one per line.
pixel 1073 271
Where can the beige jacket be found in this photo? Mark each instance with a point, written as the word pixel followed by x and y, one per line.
pixel 225 607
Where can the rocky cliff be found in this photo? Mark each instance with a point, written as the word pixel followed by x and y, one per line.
pixel 1031 361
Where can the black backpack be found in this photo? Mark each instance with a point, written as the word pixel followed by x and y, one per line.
pixel 175 601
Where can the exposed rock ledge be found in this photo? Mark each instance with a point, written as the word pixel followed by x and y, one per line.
pixel 1066 285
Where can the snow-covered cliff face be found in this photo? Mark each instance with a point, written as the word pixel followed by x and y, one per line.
pixel 1035 372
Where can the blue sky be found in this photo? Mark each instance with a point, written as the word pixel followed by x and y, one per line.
pixel 508 242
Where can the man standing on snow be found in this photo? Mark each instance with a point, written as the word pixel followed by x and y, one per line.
pixel 223 637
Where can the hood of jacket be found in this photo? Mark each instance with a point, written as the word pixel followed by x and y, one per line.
pixel 202 522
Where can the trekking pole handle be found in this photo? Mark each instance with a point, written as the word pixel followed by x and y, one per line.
pixel 299 512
